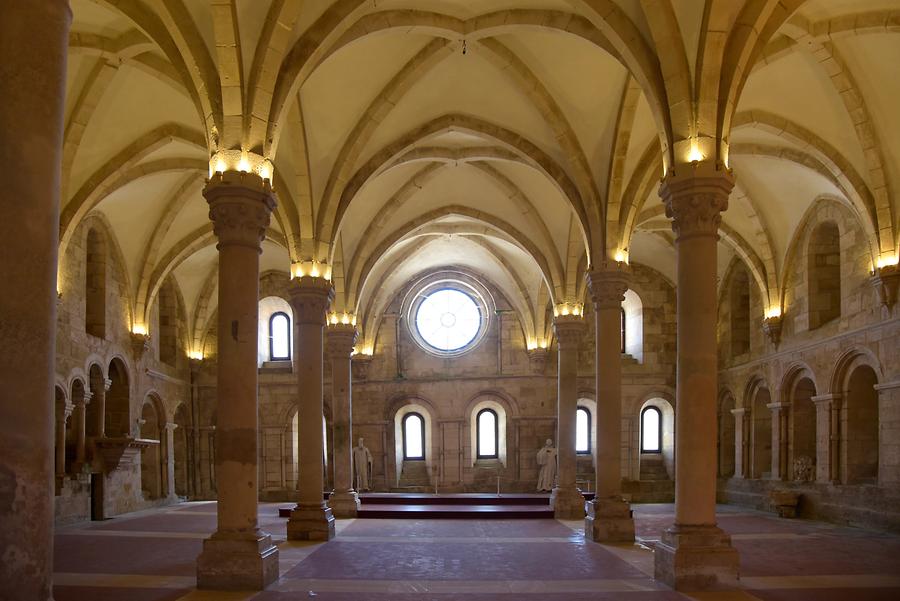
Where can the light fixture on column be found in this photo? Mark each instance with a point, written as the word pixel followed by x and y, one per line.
pixel 885 278
pixel 140 340
pixel 621 256
pixel 568 308
pixel 243 161
pixel 341 318
pixel 537 358
pixel 772 325
pixel 311 268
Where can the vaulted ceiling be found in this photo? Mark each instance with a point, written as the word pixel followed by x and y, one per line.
pixel 522 139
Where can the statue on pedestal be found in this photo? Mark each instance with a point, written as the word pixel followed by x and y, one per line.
pixel 362 467
pixel 546 459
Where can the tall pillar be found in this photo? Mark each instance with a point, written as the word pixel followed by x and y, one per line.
pixel 311 519
pixel 33 43
pixel 566 499
pixel 694 553
pixel 779 439
pixel 62 416
pixel 827 459
pixel 98 397
pixel 170 461
pixel 81 426
pixel 739 442
pixel 340 339
pixel 238 555
pixel 609 516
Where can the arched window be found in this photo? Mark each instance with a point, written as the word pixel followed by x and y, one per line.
pixel 279 337
pixel 95 285
pixel 740 312
pixel 582 431
pixel 824 277
pixel 413 437
pixel 487 434
pixel 651 430
pixel 622 329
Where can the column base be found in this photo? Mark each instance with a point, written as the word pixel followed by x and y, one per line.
pixel 609 521
pixel 696 558
pixel 237 561
pixel 567 503
pixel 311 522
pixel 344 504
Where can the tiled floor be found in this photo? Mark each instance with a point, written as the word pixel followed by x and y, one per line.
pixel 150 556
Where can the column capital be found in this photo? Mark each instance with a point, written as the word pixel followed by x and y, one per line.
pixel 240 205
pixel 739 412
pixel 695 196
pixel 826 399
pixel 569 330
pixel 608 283
pixel 778 406
pixel 310 299
pixel 340 339
pixel 85 398
pixel 360 366
pixel 171 426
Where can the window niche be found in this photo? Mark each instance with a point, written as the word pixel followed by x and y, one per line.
pixel 95 284
pixel 740 312
pixel 824 274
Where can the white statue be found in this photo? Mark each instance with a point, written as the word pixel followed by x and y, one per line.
pixel 546 459
pixel 362 466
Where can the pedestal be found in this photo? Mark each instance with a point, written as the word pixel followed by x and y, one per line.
pixel 567 503
pixel 693 558
pixel 311 522
pixel 232 561
pixel 344 504
pixel 609 521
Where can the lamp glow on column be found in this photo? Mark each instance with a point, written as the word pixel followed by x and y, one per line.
pixel 343 318
pixel 243 161
pixel 576 309
pixel 621 256
pixel 312 269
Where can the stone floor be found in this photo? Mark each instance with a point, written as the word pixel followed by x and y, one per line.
pixel 149 556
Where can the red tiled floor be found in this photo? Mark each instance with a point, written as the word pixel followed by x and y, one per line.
pixel 829 594
pixel 99 593
pixel 356 596
pixel 85 554
pixel 460 528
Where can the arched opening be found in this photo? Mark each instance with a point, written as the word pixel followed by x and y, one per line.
pixel 761 435
pixel 61 455
pixel 275 333
pixel 95 284
pixel 151 424
pixel 803 431
pixel 651 430
pixel 181 447
pixel 583 438
pixel 726 437
pixel 77 397
pixel 861 430
pixel 740 312
pixel 118 416
pixel 487 436
pixel 280 337
pixel 824 274
pixel 168 324
pixel 632 326
pixel 414 437
pixel 94 411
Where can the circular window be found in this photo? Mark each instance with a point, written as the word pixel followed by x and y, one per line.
pixel 448 320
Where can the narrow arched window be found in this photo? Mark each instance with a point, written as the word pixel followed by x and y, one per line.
pixel 651 430
pixel 582 431
pixel 487 435
pixel 622 329
pixel 413 436
pixel 279 337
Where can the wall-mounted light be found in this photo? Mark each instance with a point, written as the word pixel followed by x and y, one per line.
pixel 576 309
pixel 621 256
pixel 694 154
pixel 139 329
pixel 243 161
pixel 344 318
pixel 196 355
pixel 773 312
pixel 312 269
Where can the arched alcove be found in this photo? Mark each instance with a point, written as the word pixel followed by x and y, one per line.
pixel 94 418
pixel 276 330
pixel 802 428
pixel 95 283
pixel 861 427
pixel 77 398
pixel 761 434
pixel 656 439
pixel 633 325
pixel 413 471
pixel 824 274
pixel 740 312
pixel 726 436
pixel 168 323
pixel 152 423
pixel 118 410
pixel 181 446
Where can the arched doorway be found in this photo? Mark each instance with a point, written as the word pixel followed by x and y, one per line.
pixel 117 410
pixel 761 435
pixel 861 427
pixel 181 449
pixel 803 431
pixel 152 422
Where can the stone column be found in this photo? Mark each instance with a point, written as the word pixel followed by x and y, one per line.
pixel 312 519
pixel 566 499
pixel 826 437
pixel 609 515
pixel 779 439
pixel 739 442
pixel 694 553
pixel 98 397
pixel 62 416
pixel 340 339
pixel 170 461
pixel 80 427
pixel 33 44
pixel 238 555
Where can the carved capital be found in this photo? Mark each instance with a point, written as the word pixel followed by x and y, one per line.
pixel 608 283
pixel 239 207
pixel 772 328
pixel 140 343
pixel 569 330
pixel 695 196
pixel 360 366
pixel 885 280
pixel 537 358
pixel 340 339
pixel 310 299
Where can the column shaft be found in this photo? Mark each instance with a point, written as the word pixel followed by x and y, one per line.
pixel 312 519
pixel 567 500
pixel 238 555
pixel 80 428
pixel 340 340
pixel 33 43
pixel 609 516
pixel 739 450
pixel 693 553
pixel 170 460
pixel 60 445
